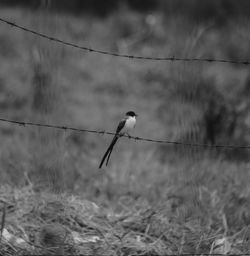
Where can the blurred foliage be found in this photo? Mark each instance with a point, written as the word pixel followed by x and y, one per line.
pixel 192 102
pixel 190 197
pixel 200 113
pixel 218 9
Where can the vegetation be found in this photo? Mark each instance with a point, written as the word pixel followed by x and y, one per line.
pixel 151 199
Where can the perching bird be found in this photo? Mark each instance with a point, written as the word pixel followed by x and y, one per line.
pixel 125 125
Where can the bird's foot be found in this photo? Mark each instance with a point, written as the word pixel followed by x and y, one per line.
pixel 129 136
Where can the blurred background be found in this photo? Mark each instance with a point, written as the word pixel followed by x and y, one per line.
pixel 43 81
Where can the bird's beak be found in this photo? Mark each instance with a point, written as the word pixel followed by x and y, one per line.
pixel 136 115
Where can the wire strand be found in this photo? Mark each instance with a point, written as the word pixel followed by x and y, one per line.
pixel 128 56
pixel 61 127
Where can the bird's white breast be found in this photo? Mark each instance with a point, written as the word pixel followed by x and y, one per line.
pixel 130 123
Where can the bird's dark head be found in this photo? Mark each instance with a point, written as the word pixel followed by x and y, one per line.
pixel 131 113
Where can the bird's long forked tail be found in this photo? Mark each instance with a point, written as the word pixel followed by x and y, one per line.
pixel 109 151
pixel 109 154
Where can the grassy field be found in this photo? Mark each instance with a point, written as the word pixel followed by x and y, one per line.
pixel 151 199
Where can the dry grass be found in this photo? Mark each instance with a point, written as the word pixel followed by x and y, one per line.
pixel 41 221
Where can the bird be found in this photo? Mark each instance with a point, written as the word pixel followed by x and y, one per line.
pixel 124 126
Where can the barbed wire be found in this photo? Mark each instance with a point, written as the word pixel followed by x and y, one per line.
pixel 128 56
pixel 65 128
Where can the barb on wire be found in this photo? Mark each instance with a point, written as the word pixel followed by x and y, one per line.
pixel 128 56
pixel 22 123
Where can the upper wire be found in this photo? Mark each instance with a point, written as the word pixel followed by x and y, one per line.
pixel 128 56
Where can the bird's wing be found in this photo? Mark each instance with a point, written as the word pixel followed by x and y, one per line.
pixel 120 126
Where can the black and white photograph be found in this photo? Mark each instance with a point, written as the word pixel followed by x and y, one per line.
pixel 125 127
